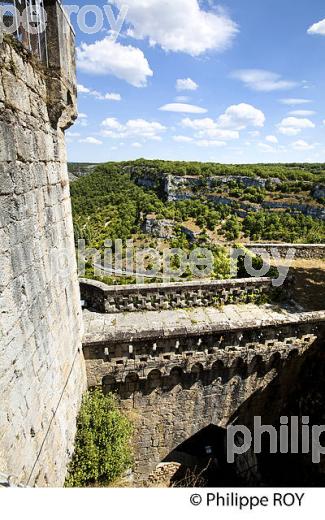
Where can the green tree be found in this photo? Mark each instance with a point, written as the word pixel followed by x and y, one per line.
pixel 102 446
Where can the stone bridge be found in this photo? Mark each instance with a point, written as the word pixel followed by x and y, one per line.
pixel 177 371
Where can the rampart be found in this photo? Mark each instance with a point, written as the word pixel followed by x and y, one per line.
pixel 201 293
pixel 42 374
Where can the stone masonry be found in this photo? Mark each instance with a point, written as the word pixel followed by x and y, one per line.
pixel 42 374
pixel 154 296
pixel 178 371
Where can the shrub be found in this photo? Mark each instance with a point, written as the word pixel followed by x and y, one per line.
pixel 102 446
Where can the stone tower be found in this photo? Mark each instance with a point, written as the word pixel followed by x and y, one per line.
pixel 42 375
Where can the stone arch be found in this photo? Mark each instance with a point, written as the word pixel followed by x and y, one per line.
pixel 275 361
pixel 154 379
pixel 257 366
pixel 202 458
pixel 219 370
pixel 176 375
pixel 108 383
pixel 292 355
pixel 132 382
pixel 239 368
pixel 197 371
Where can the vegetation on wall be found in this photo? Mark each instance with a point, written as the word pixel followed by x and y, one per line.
pixel 102 444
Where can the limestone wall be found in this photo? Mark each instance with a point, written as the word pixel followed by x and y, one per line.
pixel 42 374
pixel 119 298
pixel 176 382
pixel 305 251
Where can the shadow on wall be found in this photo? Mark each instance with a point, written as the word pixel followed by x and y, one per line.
pixel 309 286
pixel 177 376
pixel 298 390
pixel 203 461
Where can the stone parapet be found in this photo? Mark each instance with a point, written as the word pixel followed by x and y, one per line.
pixel 131 298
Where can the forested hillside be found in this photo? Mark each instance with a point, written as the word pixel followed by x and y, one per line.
pixel 108 204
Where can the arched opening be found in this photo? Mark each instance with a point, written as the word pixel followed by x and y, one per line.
pixel 292 355
pixel 175 376
pixel 132 382
pixel 196 372
pixel 108 384
pixel 154 380
pixel 275 361
pixel 219 371
pixel 202 459
pixel 257 366
pixel 239 368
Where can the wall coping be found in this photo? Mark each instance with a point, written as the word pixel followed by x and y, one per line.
pixel 147 287
pixel 93 339
pixel 283 244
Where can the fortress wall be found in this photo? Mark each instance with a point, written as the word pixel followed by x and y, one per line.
pixel 304 251
pixel 42 374
pixel 155 296
pixel 194 377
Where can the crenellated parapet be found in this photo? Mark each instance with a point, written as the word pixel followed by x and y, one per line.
pixel 115 355
pixel 178 371
pixel 163 296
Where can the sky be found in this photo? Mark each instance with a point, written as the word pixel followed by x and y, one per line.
pixel 235 81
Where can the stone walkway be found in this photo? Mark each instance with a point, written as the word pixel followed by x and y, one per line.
pixel 101 327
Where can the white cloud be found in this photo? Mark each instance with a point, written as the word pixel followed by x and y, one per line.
pixel 271 139
pixel 186 84
pixel 295 101
pixel 108 57
pixel 227 127
pixel 302 145
pixel 241 116
pixel 72 134
pixel 302 113
pixel 317 28
pixel 136 145
pixel 83 90
pixel 263 80
pixel 82 119
pixel 133 128
pixel 111 96
pixel 266 147
pixel 207 127
pixel 90 140
pixel 179 25
pixel 205 143
pixel 294 125
pixel 182 139
pixel 184 108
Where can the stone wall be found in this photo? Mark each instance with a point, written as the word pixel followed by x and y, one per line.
pixel 42 374
pixel 119 298
pixel 177 382
pixel 305 251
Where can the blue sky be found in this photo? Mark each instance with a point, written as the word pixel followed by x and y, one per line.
pixel 234 81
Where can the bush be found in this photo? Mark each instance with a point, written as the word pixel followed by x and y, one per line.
pixel 102 445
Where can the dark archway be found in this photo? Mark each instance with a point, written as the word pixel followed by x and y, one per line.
pixel 203 460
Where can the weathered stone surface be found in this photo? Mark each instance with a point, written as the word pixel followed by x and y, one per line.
pixel 42 374
pixel 306 251
pixel 155 296
pixel 179 371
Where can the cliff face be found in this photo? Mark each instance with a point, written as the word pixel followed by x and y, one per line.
pixel 42 374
